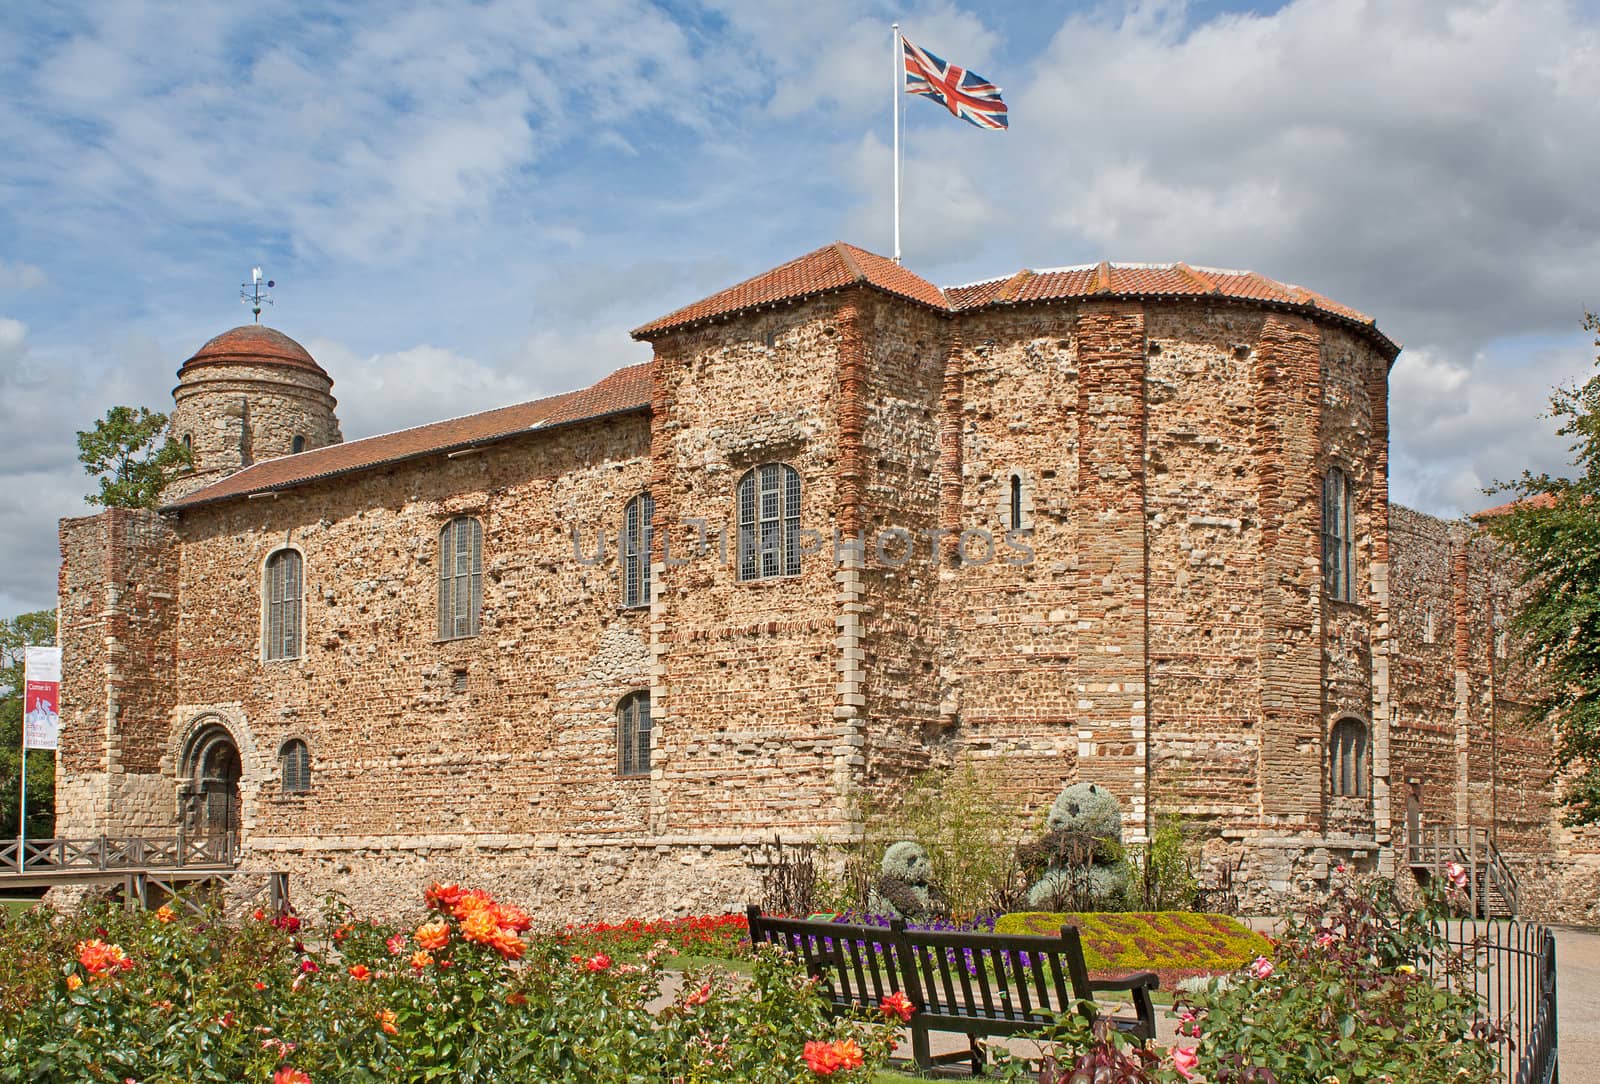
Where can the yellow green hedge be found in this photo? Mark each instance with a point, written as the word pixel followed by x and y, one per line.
pixel 1174 943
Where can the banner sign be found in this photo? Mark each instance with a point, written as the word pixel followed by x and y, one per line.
pixel 41 697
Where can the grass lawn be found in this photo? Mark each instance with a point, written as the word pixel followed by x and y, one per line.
pixel 16 907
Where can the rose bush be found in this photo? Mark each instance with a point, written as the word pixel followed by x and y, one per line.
pixel 465 994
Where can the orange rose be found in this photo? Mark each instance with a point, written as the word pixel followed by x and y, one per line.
pixel 164 914
pixel 512 918
pixel 99 958
pixel 420 959
pixel 507 943
pixel 442 896
pixel 73 982
pixel 360 973
pixel 470 902
pixel 386 1019
pixel 433 935
pixel 286 1075
pixel 480 927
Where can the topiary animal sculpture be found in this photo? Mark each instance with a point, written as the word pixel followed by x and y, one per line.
pixel 1081 852
pixel 904 890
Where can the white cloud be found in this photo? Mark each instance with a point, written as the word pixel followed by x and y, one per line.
pixel 21 276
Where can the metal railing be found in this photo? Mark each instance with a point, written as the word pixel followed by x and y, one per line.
pixel 1513 976
pixel 109 853
pixel 1488 874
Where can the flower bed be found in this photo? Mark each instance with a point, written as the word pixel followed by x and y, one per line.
pixel 464 995
pixel 1174 944
pixel 723 937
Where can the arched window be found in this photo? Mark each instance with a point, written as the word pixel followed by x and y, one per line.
pixel 283 591
pixel 1347 759
pixel 636 532
pixel 298 445
pixel 633 734
pixel 1016 502
pixel 460 577
pixel 295 760
pixel 1338 536
pixel 188 443
pixel 769 522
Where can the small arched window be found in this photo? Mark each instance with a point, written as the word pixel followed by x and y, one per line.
pixel 633 734
pixel 188 443
pixel 1338 536
pixel 298 445
pixel 1347 759
pixel 769 522
pixel 1016 502
pixel 283 591
pixel 460 577
pixel 636 533
pixel 295 760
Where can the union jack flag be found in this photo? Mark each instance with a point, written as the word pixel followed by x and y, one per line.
pixel 971 97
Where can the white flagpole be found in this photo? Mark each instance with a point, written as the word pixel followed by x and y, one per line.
pixel 899 77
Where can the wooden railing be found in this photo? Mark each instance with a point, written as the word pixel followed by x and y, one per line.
pixel 110 853
pixel 1491 883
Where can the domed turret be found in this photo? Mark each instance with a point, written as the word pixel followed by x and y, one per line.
pixel 249 394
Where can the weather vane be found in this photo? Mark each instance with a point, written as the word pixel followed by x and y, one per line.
pixel 254 293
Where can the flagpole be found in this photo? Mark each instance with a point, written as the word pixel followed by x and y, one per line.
pixel 22 798
pixel 899 76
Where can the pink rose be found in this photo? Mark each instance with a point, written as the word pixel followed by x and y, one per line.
pixel 1262 968
pixel 1185 1060
pixel 1457 874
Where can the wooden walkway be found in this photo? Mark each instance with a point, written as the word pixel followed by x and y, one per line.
pixel 145 866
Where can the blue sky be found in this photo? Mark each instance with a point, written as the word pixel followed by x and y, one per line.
pixel 466 205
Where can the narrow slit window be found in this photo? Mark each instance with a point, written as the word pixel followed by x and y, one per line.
pixel 1016 502
pixel 1338 536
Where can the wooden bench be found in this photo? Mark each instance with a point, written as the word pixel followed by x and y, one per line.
pixel 977 984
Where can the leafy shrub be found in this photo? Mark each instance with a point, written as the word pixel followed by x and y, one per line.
pixel 1174 944
pixel 463 996
pixel 961 819
pixel 1360 989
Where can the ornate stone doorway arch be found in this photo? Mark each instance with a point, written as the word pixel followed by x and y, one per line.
pixel 209 809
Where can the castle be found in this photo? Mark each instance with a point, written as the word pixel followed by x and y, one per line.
pixel 1126 524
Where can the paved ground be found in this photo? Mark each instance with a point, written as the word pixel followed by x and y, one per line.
pixel 1578 1004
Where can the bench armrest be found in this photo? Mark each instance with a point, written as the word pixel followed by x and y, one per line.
pixel 1142 980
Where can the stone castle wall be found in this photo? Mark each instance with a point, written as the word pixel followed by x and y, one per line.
pixel 237 414
pixel 1158 625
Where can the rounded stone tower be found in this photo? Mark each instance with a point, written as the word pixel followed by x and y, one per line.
pixel 249 394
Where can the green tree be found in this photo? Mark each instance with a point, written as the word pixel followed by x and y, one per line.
pixel 1553 529
pixel 33 629
pixel 127 452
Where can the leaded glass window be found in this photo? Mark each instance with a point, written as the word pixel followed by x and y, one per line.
pixel 284 594
pixel 769 522
pixel 633 734
pixel 1347 759
pixel 1338 536
pixel 636 533
pixel 460 577
pixel 295 759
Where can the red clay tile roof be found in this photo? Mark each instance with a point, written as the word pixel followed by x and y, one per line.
pixel 1538 500
pixel 832 267
pixel 839 265
pixel 1172 280
pixel 624 391
pixel 253 344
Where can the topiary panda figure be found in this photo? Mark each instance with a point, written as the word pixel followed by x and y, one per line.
pixel 904 890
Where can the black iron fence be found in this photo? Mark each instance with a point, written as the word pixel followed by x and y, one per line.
pixel 1512 971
